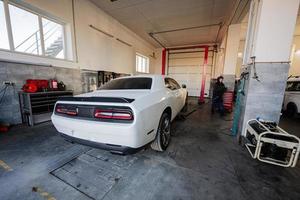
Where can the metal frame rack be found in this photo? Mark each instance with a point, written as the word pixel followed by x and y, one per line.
pixel 266 140
pixel 37 107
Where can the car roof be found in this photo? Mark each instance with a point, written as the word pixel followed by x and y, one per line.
pixel 144 76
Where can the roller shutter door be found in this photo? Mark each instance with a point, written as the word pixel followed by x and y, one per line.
pixel 187 68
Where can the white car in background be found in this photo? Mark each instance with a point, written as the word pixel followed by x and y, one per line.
pixel 291 104
pixel 123 115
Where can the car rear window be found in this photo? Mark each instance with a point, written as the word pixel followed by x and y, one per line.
pixel 128 84
pixel 293 86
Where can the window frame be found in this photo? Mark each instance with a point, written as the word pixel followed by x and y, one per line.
pixel 147 63
pixel 40 14
pixel 177 86
pixel 174 85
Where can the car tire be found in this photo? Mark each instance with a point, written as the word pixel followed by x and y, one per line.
pixel 291 110
pixel 163 135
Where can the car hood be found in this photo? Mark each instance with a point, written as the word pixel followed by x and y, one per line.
pixel 131 94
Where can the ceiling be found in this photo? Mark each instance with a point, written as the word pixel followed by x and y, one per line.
pixel 176 22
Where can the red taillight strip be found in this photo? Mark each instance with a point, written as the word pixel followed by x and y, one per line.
pixel 66 111
pixel 126 116
pixel 103 114
pixel 61 110
pixel 113 114
pixel 72 113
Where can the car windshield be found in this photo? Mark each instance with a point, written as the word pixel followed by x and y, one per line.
pixel 293 86
pixel 128 84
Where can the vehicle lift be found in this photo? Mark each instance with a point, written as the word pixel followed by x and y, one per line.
pixel 271 144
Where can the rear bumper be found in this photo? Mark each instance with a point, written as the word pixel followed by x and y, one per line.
pixel 124 135
pixel 118 149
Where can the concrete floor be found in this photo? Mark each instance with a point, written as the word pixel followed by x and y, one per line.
pixel 202 162
pixel 291 125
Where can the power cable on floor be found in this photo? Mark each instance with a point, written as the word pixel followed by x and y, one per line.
pixel 3 89
pixel 190 112
pixel 227 134
pixel 2 97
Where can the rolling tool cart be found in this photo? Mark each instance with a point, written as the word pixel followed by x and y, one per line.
pixel 269 143
pixel 38 107
pixel 228 100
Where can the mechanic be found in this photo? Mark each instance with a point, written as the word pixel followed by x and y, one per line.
pixel 217 99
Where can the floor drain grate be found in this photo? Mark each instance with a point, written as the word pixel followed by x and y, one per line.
pixel 94 173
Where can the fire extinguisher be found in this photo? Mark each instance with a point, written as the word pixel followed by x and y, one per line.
pixel 53 84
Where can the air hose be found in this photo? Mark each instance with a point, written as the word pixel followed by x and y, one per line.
pixel 237 110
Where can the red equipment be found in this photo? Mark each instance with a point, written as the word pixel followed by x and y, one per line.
pixel 4 127
pixel 30 87
pixel 228 100
pixel 35 85
pixel 53 84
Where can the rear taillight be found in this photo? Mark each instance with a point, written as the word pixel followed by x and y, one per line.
pixel 65 110
pixel 113 114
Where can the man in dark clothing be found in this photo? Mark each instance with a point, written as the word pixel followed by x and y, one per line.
pixel 217 99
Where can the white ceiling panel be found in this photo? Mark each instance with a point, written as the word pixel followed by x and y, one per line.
pixel 148 16
pixel 189 37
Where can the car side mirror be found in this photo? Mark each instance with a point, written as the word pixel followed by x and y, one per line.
pixel 183 86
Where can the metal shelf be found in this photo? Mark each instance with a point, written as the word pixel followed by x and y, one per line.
pixel 42 102
pixel 37 107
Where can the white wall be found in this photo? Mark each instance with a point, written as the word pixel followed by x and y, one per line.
pixel 265 48
pixel 158 61
pixel 272 45
pixel 295 57
pixel 95 51
pixel 239 61
pixel 232 47
pixel 220 57
pixel 108 53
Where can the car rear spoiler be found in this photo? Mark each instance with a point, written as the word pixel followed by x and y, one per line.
pixel 97 99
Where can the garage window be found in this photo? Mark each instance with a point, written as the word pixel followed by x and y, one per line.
pixel 31 32
pixel 142 63
pixel 53 39
pixel 4 44
pixel 25 31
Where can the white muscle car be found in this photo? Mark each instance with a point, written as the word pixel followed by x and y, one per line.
pixel 123 115
pixel 291 103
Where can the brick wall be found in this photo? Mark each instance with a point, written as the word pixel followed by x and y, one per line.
pixel 18 73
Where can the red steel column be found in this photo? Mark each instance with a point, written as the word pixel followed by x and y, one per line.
pixel 163 61
pixel 201 97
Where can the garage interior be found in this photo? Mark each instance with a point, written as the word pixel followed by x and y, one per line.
pixel 76 46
